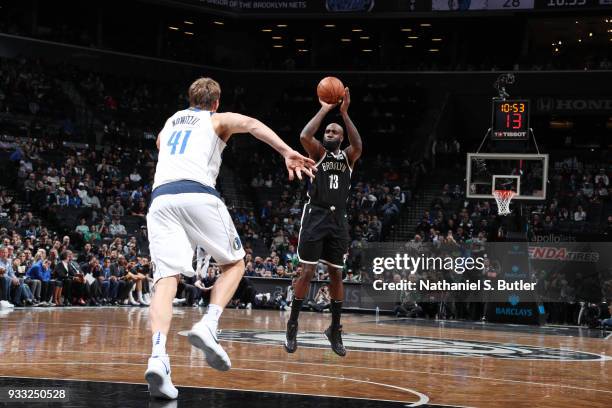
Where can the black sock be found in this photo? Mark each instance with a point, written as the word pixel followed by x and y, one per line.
pixel 296 306
pixel 336 311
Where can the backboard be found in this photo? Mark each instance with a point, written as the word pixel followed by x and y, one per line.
pixel 525 174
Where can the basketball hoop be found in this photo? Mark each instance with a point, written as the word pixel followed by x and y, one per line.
pixel 503 198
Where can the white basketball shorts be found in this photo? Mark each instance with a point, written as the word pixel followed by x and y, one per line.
pixel 178 223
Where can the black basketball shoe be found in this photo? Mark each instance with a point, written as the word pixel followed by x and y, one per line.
pixel 334 335
pixel 291 341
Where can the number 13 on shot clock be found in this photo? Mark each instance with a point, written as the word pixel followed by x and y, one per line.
pixel 510 120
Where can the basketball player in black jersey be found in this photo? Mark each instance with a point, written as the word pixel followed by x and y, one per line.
pixel 324 234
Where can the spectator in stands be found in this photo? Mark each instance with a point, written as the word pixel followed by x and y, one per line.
pixel 18 292
pixel 116 209
pixel 257 181
pixel 135 275
pixel 34 275
pixel 29 186
pixel 63 200
pixel 266 211
pixel 291 256
pixel 74 200
pixel 82 229
pixel 116 228
pixel 322 300
pixel 390 212
pixel 580 215
pixel 351 277
pixel 602 177
pixel 123 287
pixel 72 280
pixel 139 209
pixel 205 285
pixel 249 270
pixel 187 290
pixel 399 197
pixel 269 182
pixel 105 286
pixel 135 177
pixel 374 229
pixel 91 201
pixel 280 241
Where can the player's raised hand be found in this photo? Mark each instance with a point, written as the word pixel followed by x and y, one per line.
pixel 327 106
pixel 298 164
pixel 346 101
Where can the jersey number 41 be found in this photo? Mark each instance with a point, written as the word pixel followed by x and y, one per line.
pixel 175 139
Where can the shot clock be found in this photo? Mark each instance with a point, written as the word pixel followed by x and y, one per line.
pixel 510 120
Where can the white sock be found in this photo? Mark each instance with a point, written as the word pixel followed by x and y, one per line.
pixel 159 344
pixel 213 314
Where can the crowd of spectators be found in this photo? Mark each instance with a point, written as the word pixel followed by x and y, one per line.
pixel 578 203
pixel 43 269
pixel 578 200
pixel 96 195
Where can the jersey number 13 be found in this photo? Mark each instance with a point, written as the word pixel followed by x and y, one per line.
pixel 333 181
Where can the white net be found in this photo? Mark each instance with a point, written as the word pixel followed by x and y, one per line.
pixel 503 198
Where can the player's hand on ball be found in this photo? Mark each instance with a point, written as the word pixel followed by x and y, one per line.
pixel 327 106
pixel 346 101
pixel 298 164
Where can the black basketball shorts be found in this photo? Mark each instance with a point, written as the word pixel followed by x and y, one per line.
pixel 324 236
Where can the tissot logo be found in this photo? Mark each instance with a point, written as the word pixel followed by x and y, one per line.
pixel 415 345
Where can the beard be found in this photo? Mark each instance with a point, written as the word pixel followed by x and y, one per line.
pixel 331 145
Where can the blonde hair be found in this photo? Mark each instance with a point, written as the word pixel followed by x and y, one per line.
pixel 40 254
pixel 203 93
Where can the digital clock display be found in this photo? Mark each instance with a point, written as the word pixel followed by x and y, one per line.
pixel 510 120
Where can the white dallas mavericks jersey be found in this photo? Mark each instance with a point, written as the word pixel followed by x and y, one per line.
pixel 189 149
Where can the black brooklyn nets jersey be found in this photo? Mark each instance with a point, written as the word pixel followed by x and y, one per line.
pixel 332 181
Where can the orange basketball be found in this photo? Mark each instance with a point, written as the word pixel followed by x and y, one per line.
pixel 330 90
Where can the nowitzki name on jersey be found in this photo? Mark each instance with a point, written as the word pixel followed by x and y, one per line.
pixel 444 285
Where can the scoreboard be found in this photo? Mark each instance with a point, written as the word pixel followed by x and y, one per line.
pixel 465 5
pixel 510 120
pixel 372 7
pixel 508 5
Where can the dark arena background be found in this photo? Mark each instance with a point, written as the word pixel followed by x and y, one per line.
pixel 460 105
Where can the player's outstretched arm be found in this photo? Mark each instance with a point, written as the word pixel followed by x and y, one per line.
pixel 353 151
pixel 226 124
pixel 313 147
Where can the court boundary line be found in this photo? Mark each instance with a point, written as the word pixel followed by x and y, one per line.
pixel 422 398
pixel 336 366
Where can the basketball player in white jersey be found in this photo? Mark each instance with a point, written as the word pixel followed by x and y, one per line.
pixel 186 212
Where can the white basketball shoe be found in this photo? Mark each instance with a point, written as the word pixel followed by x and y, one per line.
pixel 158 377
pixel 203 335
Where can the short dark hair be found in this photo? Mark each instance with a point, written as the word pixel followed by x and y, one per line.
pixel 64 255
pixel 204 92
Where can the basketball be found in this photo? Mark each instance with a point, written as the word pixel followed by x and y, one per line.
pixel 330 90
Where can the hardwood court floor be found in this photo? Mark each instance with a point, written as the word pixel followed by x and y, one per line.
pixel 396 361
